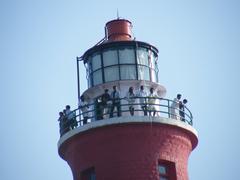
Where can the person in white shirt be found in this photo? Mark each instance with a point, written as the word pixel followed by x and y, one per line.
pixel 142 99
pixel 83 105
pixel 130 97
pixel 174 108
pixel 152 97
pixel 71 117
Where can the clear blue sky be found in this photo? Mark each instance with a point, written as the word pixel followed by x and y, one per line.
pixel 199 56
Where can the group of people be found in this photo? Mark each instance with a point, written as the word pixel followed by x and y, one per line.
pixel 108 102
pixel 67 120
pixel 177 109
pixel 147 101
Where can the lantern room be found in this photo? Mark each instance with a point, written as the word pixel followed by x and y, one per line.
pixel 121 60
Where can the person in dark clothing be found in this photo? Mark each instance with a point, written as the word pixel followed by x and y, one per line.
pixel 115 97
pixel 106 103
pixel 182 109
pixel 99 109
pixel 61 119
pixel 63 123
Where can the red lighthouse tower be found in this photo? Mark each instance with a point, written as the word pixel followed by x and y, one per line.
pixel 127 138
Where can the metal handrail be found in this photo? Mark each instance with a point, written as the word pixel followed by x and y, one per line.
pixel 162 107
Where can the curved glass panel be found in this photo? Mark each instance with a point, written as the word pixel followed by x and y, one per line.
pixel 142 56
pixel 96 62
pixel 153 60
pixel 110 57
pixel 153 66
pixel 111 73
pixel 87 69
pixel 143 73
pixel 88 75
pixel 127 56
pixel 89 82
pixel 88 65
pixel 128 72
pixel 156 68
pixel 97 77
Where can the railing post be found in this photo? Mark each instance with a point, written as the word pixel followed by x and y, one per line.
pixel 168 108
pixel 191 117
pixel 78 86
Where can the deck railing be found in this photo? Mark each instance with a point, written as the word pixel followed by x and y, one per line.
pixel 160 107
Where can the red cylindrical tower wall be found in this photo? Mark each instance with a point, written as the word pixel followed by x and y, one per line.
pixel 119 30
pixel 127 152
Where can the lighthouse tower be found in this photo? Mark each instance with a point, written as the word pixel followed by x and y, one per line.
pixel 140 137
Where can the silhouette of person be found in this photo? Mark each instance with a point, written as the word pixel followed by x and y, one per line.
pixel 182 109
pixel 142 99
pixel 106 103
pixel 130 97
pixel 83 106
pixel 115 96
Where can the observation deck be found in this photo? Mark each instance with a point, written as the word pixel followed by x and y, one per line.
pixel 166 115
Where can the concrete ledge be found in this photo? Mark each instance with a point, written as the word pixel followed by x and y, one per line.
pixel 126 120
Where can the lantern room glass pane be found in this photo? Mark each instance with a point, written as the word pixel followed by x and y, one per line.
pixel 142 56
pixel 87 70
pixel 97 77
pixel 89 65
pixel 153 61
pixel 111 73
pixel 128 72
pixel 127 56
pixel 153 75
pixel 96 62
pixel 143 73
pixel 110 57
